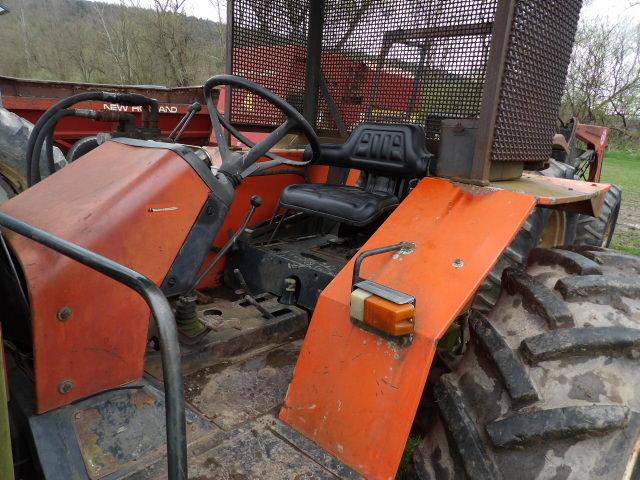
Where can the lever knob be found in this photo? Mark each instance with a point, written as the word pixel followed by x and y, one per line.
pixel 256 200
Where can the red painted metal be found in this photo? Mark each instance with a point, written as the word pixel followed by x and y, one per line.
pixel 355 393
pixel 31 98
pixel 599 138
pixel 107 211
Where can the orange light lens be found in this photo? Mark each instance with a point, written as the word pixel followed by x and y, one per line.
pixel 391 318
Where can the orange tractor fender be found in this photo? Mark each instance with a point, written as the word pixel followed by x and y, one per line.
pixel 353 390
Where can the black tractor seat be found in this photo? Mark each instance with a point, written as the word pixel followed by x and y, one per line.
pixel 389 155
pixel 343 203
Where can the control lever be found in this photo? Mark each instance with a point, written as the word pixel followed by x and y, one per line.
pixel 194 108
pixel 256 201
pixel 247 294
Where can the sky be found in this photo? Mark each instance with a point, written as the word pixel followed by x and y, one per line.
pixel 613 9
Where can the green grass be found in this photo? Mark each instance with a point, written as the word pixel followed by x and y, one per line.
pixel 623 169
pixel 412 443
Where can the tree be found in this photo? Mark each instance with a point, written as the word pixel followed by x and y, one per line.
pixel 105 43
pixel 603 81
pixel 122 39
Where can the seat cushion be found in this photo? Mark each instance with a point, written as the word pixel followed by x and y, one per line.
pixel 345 204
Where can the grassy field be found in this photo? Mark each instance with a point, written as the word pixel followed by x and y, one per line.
pixel 623 169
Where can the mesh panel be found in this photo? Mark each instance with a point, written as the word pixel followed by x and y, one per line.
pixel 416 61
pixel 536 66
pixel 269 48
pixel 413 60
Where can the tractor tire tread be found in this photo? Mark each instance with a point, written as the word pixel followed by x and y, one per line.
pixel 567 422
pixel 516 254
pixel 513 372
pixel 574 342
pixel 593 230
pixel 575 288
pixel 572 262
pixel 462 430
pixel 537 298
pixel 537 399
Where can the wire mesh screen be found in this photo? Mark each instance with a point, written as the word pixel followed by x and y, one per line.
pixel 418 61
pixel 407 60
pixel 410 61
pixel 268 47
pixel 542 36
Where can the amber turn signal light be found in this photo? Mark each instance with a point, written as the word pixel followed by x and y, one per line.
pixel 392 318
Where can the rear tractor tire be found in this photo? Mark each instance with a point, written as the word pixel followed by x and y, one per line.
pixel 515 255
pixel 548 387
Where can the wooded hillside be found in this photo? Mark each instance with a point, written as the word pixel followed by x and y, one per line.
pixel 77 40
pixel 83 41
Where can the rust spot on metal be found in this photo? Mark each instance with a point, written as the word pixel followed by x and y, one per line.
pixel 65 387
pixel 125 429
pixel 97 461
pixel 109 434
pixel 64 314
pixel 476 189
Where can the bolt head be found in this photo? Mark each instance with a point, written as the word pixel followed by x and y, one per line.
pixel 64 314
pixel 65 387
pixel 458 263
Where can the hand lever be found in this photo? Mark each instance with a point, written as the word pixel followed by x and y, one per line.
pixel 194 108
pixel 247 294
pixel 256 201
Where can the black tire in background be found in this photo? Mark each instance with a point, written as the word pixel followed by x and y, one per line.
pixel 548 386
pixel 6 190
pixel 14 136
pixel 82 147
pixel 599 231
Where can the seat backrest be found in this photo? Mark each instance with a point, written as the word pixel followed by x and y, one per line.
pixel 390 150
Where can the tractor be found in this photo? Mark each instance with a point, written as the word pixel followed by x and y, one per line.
pixel 374 288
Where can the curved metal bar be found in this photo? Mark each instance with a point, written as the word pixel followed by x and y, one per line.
pixel 165 321
pixel 368 253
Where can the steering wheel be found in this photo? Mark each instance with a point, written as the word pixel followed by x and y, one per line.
pixel 245 164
